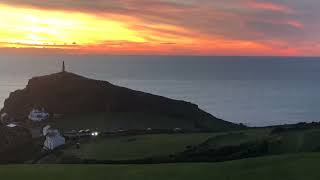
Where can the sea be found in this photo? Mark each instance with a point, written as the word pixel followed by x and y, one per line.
pixel 255 91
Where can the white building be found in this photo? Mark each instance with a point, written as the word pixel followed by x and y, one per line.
pixel 45 130
pixel 38 115
pixel 53 138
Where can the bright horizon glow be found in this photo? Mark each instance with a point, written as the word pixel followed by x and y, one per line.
pixel 21 27
pixel 158 27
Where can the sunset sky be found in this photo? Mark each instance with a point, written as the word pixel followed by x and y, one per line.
pixel 165 27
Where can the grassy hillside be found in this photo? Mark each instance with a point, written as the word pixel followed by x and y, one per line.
pixel 155 145
pixel 302 140
pixel 293 167
pixel 198 146
pixel 134 147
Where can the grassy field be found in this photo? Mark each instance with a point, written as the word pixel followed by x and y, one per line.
pixel 142 146
pixel 285 167
pixel 238 137
pixel 133 147
pixel 155 145
pixel 297 141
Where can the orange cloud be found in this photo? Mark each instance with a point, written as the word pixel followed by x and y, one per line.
pixel 270 6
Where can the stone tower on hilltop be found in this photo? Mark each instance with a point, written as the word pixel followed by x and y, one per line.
pixel 63 67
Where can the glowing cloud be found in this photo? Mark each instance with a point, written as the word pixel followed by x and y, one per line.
pixel 38 28
pixel 270 6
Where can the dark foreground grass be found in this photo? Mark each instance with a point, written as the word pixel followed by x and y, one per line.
pixel 285 167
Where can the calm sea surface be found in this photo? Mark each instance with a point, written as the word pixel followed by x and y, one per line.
pixel 256 91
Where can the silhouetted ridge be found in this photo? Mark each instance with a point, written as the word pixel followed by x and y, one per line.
pixel 68 93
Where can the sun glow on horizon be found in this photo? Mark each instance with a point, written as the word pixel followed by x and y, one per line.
pixel 137 28
pixel 23 27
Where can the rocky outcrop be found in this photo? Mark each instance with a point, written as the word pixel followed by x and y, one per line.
pixel 68 93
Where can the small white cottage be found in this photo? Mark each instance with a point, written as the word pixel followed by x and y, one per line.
pixel 38 115
pixel 45 130
pixel 53 138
